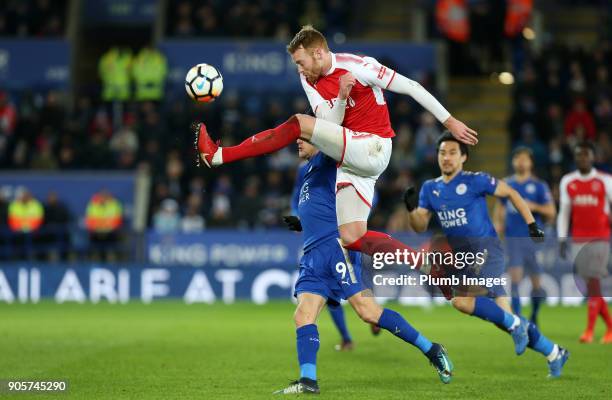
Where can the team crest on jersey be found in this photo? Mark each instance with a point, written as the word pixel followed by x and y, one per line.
pixel 461 188
pixel 530 188
pixel 596 186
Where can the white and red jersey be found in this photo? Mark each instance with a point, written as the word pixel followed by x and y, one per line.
pixel 585 201
pixel 366 109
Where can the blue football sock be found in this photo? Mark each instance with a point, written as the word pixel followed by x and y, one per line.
pixel 516 300
pixel 487 309
pixel 397 325
pixel 337 314
pixel 537 341
pixel 307 347
pixel 537 297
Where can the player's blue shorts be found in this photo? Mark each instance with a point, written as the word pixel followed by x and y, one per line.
pixel 493 267
pixel 325 270
pixel 521 252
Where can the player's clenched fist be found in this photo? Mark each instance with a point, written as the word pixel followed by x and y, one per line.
pixel 347 81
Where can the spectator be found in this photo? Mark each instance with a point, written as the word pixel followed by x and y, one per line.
pixel 114 69
pixel 103 220
pixel 149 70
pixel 25 213
pixel 249 205
pixel 579 123
pixel 425 141
pixel 8 121
pixel 25 217
pixel 167 219
pixel 57 220
pixel 193 222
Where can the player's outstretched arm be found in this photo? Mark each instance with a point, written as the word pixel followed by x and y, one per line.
pixel 506 191
pixel 548 211
pixel 418 216
pixel 402 85
pixel 499 217
pixel 563 219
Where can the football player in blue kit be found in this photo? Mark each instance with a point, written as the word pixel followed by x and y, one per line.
pixel 520 251
pixel 335 311
pixel 329 273
pixel 458 200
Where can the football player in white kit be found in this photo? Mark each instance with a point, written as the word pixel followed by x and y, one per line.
pixel 351 126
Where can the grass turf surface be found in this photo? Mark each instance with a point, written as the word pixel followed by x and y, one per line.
pixel 170 350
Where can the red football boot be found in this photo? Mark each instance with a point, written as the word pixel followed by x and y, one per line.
pixel 204 145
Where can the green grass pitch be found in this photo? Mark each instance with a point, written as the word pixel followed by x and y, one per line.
pixel 169 350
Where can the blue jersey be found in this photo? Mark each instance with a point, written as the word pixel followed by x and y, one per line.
pixel 460 205
pixel 314 200
pixel 533 190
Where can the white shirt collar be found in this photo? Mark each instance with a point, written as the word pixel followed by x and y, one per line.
pixel 333 65
pixel 588 176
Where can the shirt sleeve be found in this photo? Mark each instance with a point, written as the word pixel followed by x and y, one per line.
pixel 608 185
pixel 485 183
pixel 564 209
pixel 373 73
pixel 314 98
pixel 424 198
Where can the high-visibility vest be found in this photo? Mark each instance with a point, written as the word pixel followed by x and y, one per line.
pixel 103 216
pixel 149 72
pixel 452 19
pixel 517 16
pixel 114 69
pixel 26 216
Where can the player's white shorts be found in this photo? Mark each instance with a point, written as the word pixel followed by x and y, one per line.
pixel 591 258
pixel 361 156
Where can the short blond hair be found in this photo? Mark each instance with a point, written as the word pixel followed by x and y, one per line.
pixel 308 37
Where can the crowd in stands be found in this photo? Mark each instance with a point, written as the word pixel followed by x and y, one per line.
pixel 563 96
pixel 41 131
pixel 254 19
pixel 33 18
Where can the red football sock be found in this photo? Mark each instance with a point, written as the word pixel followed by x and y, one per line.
pixel 593 303
pixel 378 242
pixel 593 306
pixel 605 314
pixel 264 142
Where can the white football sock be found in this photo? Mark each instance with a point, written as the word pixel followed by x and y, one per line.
pixel 553 354
pixel 217 158
pixel 517 322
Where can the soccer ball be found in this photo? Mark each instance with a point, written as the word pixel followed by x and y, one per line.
pixel 204 83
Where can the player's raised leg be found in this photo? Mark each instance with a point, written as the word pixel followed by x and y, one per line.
pixel 556 356
pixel 305 317
pixel 337 314
pixel 516 275
pixel 488 310
pixel 538 295
pixel 265 142
pixel 369 311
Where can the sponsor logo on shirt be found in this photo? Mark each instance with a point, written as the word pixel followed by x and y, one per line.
pixel 586 200
pixel 452 218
